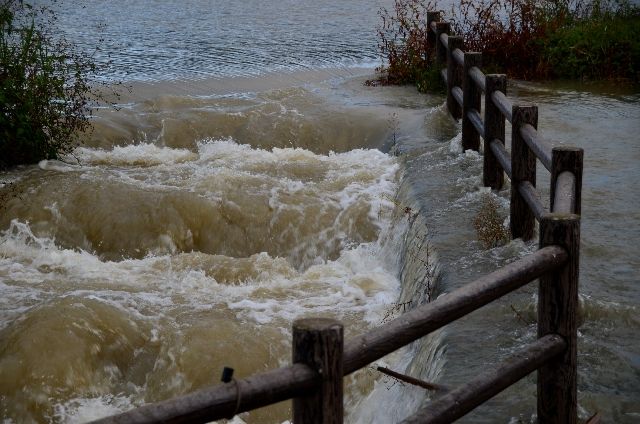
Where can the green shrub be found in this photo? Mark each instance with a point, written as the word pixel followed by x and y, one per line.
pixel 428 79
pixel 596 48
pixel 45 94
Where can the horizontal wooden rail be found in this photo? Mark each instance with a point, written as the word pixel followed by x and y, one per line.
pixel 531 196
pixel 458 402
pixel 427 318
pixel 564 201
pixel 502 156
pixel 537 144
pixel 503 104
pixel 457 94
pixel 221 401
pixel 476 120
pixel 478 77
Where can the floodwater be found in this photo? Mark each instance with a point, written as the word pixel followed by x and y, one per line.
pixel 250 178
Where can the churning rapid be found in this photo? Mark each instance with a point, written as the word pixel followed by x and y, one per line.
pixel 250 178
pixel 135 272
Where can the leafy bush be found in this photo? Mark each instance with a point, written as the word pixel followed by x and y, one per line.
pixel 608 46
pixel 508 33
pixel 45 94
pixel 404 44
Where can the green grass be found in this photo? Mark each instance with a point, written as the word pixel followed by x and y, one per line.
pixel 594 48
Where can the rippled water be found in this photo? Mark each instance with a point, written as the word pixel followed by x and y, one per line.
pixel 167 40
pixel 602 119
pixel 250 178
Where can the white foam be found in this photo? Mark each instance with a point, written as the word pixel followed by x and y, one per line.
pixel 162 167
pixel 455 144
pixel 144 154
pixel 356 282
pixel 357 287
pixel 82 410
pixel 57 165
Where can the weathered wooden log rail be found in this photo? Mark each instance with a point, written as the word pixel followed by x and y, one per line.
pixel 320 356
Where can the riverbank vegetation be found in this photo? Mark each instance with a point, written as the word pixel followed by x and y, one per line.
pixel 45 91
pixel 526 39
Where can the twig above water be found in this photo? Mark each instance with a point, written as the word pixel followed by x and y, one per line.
pixel 411 380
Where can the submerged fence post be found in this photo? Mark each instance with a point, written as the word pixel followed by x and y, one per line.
pixel 570 159
pixel 318 343
pixel 471 96
pixel 454 76
pixel 493 174
pixel 557 314
pixel 523 168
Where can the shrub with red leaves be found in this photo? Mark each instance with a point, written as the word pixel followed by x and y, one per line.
pixel 517 37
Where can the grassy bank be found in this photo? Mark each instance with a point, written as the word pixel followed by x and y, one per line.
pixel 526 39
pixel 604 48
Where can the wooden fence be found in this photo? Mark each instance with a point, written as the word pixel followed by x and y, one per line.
pixel 321 358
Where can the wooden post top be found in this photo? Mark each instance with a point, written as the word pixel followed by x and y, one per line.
pixel 568 149
pixel 316 324
pixel 558 216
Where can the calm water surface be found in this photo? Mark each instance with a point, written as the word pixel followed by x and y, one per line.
pixel 250 178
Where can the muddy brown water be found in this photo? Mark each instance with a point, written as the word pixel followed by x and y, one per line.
pixel 234 192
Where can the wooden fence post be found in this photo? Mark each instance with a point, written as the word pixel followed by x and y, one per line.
pixel 319 343
pixel 493 174
pixel 441 49
pixel 566 158
pixel 523 168
pixel 557 314
pixel 431 36
pixel 471 97
pixel 454 76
